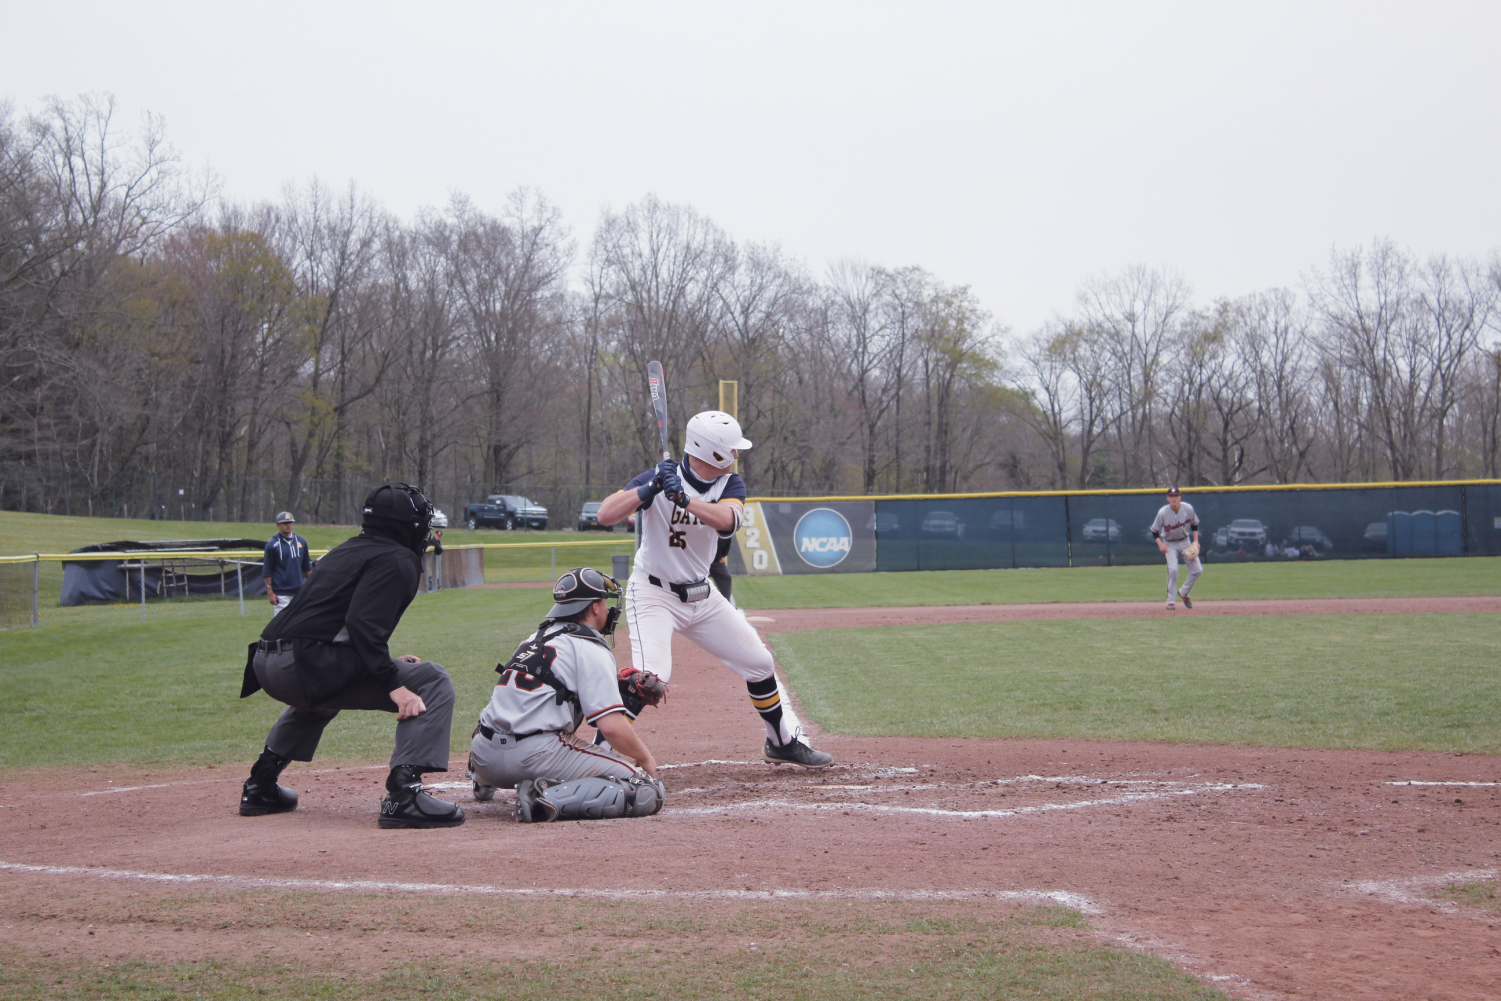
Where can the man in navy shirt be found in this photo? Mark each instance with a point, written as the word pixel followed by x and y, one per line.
pixel 287 564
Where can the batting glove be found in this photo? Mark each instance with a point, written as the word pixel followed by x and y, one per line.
pixel 646 491
pixel 672 486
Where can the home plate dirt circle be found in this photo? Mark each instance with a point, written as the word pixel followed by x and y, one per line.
pixel 1269 872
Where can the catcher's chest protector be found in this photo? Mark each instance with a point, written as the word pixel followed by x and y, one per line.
pixel 535 657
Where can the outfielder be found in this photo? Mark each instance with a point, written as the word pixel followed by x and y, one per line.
pixel 560 676
pixel 686 508
pixel 1176 529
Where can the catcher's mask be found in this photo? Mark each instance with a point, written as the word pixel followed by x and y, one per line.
pixel 581 587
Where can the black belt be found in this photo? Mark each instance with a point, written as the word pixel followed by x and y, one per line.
pixel 681 590
pixel 489 734
pixel 273 646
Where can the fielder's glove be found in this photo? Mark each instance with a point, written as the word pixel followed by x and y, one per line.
pixel 1191 551
pixel 639 689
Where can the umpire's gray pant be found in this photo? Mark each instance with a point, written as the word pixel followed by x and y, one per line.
pixel 502 760
pixel 421 741
pixel 1174 550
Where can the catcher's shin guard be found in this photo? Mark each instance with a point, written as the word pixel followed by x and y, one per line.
pixel 260 794
pixel 594 797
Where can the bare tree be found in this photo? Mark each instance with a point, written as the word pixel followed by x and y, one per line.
pixel 1136 315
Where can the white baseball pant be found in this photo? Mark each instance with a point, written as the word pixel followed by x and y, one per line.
pixel 653 614
pixel 1174 551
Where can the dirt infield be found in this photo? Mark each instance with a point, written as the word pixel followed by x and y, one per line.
pixel 1270 873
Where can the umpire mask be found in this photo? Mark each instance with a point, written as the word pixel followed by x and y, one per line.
pixel 399 511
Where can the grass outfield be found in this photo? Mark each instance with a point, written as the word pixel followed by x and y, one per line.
pixel 1458 577
pixel 167 691
pixel 1388 682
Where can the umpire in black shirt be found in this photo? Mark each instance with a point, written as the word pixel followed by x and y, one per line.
pixel 327 652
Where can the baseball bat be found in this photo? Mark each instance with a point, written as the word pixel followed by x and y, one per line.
pixel 658 387
pixel 659 402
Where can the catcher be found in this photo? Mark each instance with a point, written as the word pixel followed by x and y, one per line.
pixel 1176 529
pixel 562 675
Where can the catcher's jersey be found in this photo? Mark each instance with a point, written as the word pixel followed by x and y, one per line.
pixel 522 703
pixel 1175 526
pixel 675 546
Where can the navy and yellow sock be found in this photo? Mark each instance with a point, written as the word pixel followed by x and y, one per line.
pixel 768 702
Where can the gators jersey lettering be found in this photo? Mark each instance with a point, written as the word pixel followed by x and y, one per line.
pixel 675 546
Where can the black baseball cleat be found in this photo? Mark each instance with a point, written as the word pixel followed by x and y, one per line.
pixel 1186 602
pixel 796 753
pixel 260 794
pixel 406 805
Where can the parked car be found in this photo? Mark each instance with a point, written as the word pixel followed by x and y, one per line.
pixel 440 520
pixel 883 522
pixel 505 511
pixel 945 523
pixel 1308 535
pixel 1102 530
pixel 1375 536
pixel 589 518
pixel 1006 521
pixel 1222 537
pixel 1247 530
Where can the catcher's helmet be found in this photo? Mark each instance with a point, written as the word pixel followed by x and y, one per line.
pixel 714 436
pixel 581 587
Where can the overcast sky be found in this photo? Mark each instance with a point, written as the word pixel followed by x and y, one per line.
pixel 1015 148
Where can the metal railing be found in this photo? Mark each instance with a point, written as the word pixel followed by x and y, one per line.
pixel 157 585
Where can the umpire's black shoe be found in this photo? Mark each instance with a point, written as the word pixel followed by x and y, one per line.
pixel 796 753
pixel 260 794
pixel 406 805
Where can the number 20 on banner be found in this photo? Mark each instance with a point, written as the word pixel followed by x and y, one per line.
pixel 756 547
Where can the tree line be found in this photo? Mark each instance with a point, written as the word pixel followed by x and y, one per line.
pixel 154 335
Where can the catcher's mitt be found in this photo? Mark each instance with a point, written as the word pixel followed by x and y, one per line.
pixel 1191 551
pixel 639 689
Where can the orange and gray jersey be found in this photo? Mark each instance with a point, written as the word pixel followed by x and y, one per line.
pixel 523 703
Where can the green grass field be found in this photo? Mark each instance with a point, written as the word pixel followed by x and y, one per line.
pixel 1369 681
pixel 1479 575
pixel 164 690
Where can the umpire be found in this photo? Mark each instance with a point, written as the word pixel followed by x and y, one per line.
pixel 327 652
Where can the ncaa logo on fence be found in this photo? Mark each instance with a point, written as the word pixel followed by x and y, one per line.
pixel 822 538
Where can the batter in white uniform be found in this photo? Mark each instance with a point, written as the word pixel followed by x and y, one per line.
pixel 1174 528
pixel 686 508
pixel 561 676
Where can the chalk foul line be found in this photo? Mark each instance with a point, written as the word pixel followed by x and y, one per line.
pixel 1061 897
pixel 1018 811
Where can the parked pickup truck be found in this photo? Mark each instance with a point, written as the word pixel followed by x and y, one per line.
pixel 506 511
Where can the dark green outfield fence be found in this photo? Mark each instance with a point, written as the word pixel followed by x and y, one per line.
pixel 1110 528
